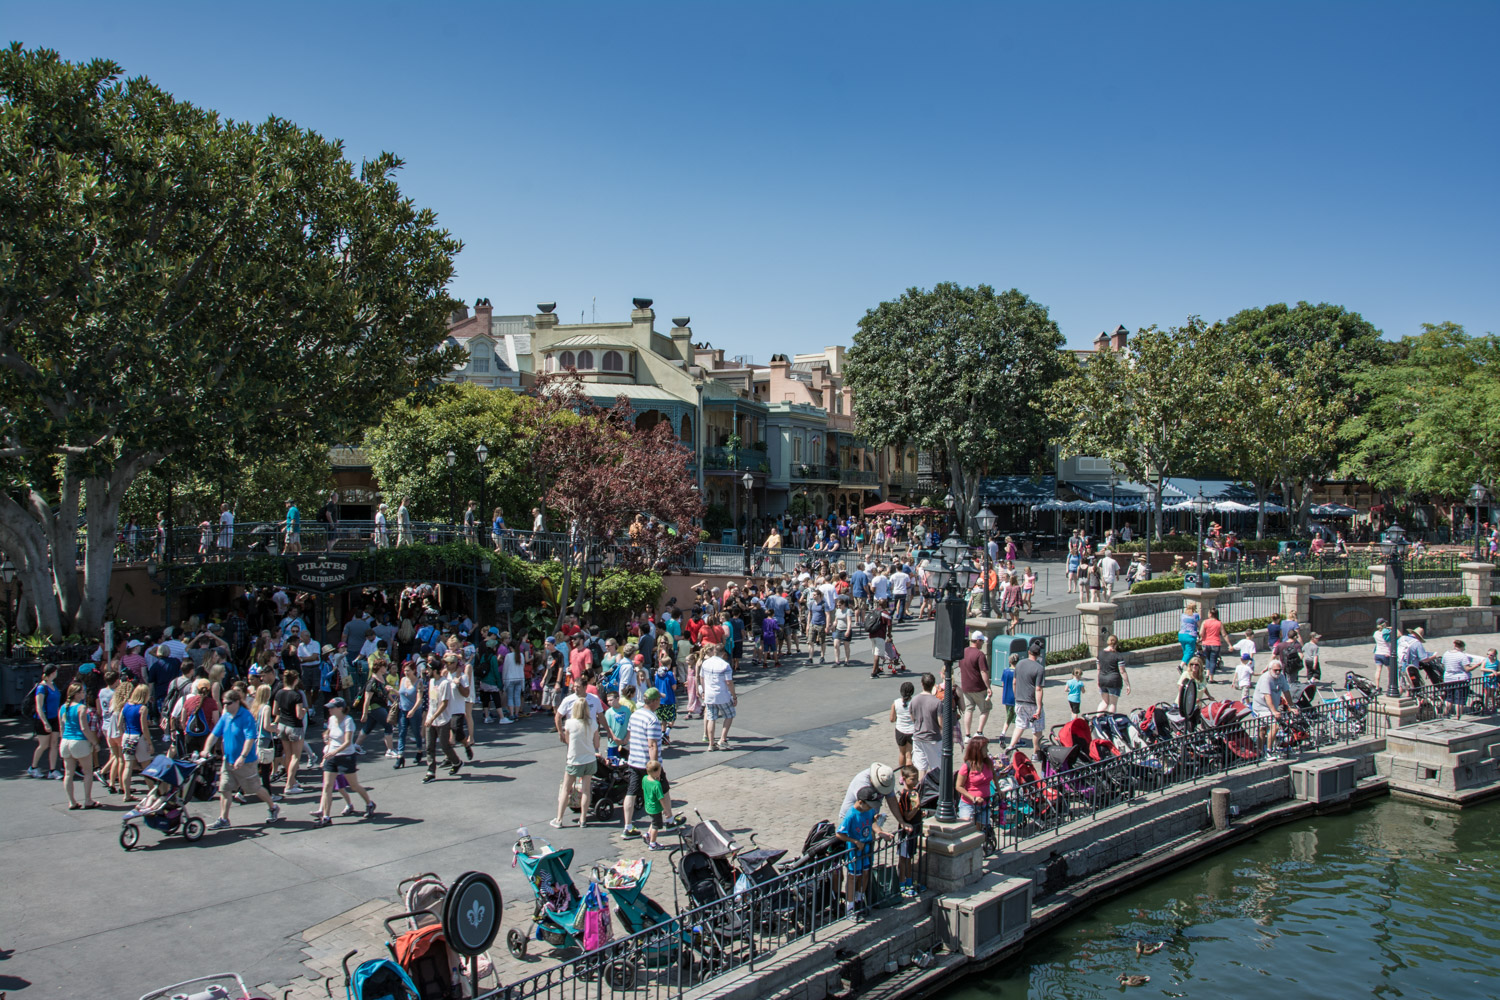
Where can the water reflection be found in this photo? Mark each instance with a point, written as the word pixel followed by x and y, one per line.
pixel 1391 900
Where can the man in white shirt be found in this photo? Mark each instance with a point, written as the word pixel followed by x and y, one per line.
pixel 442 688
pixel 176 648
pixel 880 585
pixel 716 682
pixel 830 595
pixel 226 529
pixel 900 586
pixel 1109 571
pixel 596 709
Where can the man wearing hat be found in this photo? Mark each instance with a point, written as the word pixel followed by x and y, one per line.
pixel 974 686
pixel 881 778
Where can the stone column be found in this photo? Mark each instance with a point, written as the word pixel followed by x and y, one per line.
pixel 955 854
pixel 1381 581
pixel 1296 603
pixel 1476 583
pixel 1207 598
pixel 1096 622
pixel 991 627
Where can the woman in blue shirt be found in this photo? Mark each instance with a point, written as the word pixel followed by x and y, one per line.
pixel 44 725
pixel 1187 630
pixel 77 748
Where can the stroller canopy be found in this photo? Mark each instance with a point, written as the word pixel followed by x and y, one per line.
pixel 173 772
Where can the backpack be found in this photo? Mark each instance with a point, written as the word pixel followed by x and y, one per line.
pixel 30 702
pixel 197 724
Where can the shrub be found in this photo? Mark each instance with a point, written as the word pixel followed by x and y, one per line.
pixel 1078 652
pixel 1170 638
pixel 1164 584
pixel 1446 601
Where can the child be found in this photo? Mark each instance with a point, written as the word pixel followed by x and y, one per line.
pixel 1244 676
pixel 618 718
pixel 770 655
pixel 1075 692
pixel 1028 588
pixel 658 809
pixel 666 710
pixel 909 813
pixel 1008 689
pixel 858 829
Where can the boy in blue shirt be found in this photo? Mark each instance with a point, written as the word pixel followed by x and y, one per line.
pixel 666 709
pixel 1008 689
pixel 858 830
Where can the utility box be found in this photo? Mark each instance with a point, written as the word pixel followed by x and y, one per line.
pixel 1330 779
pixel 15 680
pixel 992 914
pixel 1003 645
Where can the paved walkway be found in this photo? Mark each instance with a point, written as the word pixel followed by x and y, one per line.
pixel 282 904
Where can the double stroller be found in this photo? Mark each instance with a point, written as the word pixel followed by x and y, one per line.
pixel 174 783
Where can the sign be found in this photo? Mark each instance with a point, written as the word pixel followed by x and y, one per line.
pixel 322 572
pixel 505 600
pixel 471 914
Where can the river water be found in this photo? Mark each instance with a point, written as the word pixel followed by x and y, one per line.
pixel 1390 900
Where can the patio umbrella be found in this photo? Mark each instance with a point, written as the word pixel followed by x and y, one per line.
pixel 887 507
pixel 1232 507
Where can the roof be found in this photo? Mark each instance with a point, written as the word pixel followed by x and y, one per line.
pixel 601 390
pixel 590 340
pixel 1018 489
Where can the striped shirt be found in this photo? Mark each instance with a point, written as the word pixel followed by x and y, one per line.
pixel 644 727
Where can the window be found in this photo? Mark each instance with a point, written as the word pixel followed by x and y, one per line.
pixel 586 359
pixel 567 360
pixel 613 362
pixel 480 365
pixel 551 363
pixel 796 449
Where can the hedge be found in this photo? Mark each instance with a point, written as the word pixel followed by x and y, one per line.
pixel 1446 601
pixel 1186 543
pixel 1078 652
pixel 1164 638
pixel 1162 584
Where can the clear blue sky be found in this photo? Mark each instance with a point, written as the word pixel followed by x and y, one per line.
pixel 775 169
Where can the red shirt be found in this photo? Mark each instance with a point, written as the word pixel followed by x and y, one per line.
pixel 578 661
pixel 1211 632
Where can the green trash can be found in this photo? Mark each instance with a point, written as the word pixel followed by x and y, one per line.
pixel 1003 645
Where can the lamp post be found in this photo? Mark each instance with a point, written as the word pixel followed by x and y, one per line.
pixel 748 481
pixel 953 578
pixel 594 564
pixel 1113 482
pixel 480 454
pixel 1150 513
pixel 452 458
pixel 986 521
pixel 949 502
pixel 1200 507
pixel 1393 545
pixel 8 574
pixel 1477 496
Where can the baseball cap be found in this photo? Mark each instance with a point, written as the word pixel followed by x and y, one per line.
pixel 1247 658
pixel 867 794
pixel 651 694
pixel 976 636
pixel 335 703
pixel 134 644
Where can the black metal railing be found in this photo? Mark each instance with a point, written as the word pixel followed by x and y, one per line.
pixel 1020 811
pixel 681 953
pixel 1456 699
pixel 1061 632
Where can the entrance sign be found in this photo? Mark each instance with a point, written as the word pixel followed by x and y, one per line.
pixel 323 572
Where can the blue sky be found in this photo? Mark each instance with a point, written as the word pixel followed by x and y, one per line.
pixel 775 169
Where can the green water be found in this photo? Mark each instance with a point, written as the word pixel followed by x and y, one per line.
pixel 1392 900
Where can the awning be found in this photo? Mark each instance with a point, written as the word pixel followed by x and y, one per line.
pixel 1017 489
pixel 1125 492
pixel 1213 489
pixel 1333 510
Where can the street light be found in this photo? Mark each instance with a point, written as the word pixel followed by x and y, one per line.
pixel 8 574
pixel 1113 482
pixel 1477 497
pixel 1393 545
pixel 452 509
pixel 949 502
pixel 986 521
pixel 481 453
pixel 1201 507
pixel 748 481
pixel 1150 514
pixel 953 578
pixel 594 564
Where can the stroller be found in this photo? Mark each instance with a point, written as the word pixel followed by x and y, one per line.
pixel 214 989
pixel 164 809
pixel 377 979
pixel 1365 686
pixel 423 896
pixel 1146 769
pixel 1226 719
pixel 557 913
pixel 719 846
pixel 814 902
pixel 1034 803
pixel 673 942
pixel 607 789
pixel 1110 784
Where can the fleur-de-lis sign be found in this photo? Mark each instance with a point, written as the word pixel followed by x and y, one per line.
pixel 475 914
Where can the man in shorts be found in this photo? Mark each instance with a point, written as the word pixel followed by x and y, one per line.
pixel 974 686
pixel 1031 676
pixel 237 732
pixel 716 684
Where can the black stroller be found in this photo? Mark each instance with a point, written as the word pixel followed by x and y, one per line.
pixel 607 789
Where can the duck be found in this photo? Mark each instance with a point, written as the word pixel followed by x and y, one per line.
pixel 1142 948
pixel 1134 980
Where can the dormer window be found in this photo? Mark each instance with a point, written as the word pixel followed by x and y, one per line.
pixel 585 360
pixel 567 360
pixel 613 362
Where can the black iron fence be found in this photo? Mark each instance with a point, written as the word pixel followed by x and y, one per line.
pixel 669 956
pixel 1456 699
pixel 1056 798
pixel 1061 632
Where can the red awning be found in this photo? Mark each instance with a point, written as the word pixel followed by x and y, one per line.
pixel 888 507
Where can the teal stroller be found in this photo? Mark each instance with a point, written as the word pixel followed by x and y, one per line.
pixel 660 939
pixel 557 912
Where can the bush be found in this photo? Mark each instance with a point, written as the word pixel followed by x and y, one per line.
pixel 1446 601
pixel 1164 584
pixel 1170 638
pixel 1078 652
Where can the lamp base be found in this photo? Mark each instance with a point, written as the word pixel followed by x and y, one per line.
pixel 1398 711
pixel 954 854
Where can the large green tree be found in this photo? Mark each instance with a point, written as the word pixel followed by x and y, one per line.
pixel 408 452
pixel 174 284
pixel 953 370
pixel 1155 410
pixel 1431 426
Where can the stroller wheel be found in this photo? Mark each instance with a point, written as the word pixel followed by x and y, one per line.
pixel 602 812
pixel 620 975
pixel 515 943
pixel 192 830
pixel 130 835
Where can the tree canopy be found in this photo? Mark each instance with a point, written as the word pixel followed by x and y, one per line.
pixel 176 284
pixel 954 371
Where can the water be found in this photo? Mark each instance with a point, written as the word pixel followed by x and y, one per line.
pixel 1391 900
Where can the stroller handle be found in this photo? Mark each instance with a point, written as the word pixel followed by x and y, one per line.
pixel 401 916
pixel 328 983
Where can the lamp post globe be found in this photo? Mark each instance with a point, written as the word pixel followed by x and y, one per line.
pixel 1393 547
pixel 986 521
pixel 480 454
pixel 1477 497
pixel 452 459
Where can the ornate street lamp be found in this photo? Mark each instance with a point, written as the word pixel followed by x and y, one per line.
pixel 1114 481
pixel 1393 545
pixel 949 503
pixel 748 481
pixel 1201 507
pixel 953 575
pixel 452 509
pixel 1150 515
pixel 8 574
pixel 986 521
pixel 480 454
pixel 1477 497
pixel 594 564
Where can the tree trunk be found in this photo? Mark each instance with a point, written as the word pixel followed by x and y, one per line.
pixel 1261 489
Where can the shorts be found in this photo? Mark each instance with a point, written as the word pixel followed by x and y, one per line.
pixel 377 723
pixel 977 700
pixel 1113 690
pixel 906 844
pixel 293 734
pixel 768 644
pixel 634 776
pixel 240 778
pixel 38 730
pixel 715 713
pixel 877 648
pixel 75 750
pixel 655 818
pixel 294 538
pixel 1031 717
pixel 342 764
pixel 860 858
pixel 581 770
pixel 666 714
pixel 1454 691
pixel 818 633
pixel 903 739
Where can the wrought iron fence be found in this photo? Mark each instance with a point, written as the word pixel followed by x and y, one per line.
pixel 1455 699
pixel 673 955
pixel 1151 614
pixel 1061 632
pixel 1431 586
pixel 1253 600
pixel 1021 810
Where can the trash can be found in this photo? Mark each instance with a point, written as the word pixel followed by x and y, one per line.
pixel 1003 645
pixel 15 680
pixel 727 537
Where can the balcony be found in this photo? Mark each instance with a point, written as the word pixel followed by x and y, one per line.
pixel 721 459
pixel 906 482
pixel 841 422
pixel 802 473
pixel 858 477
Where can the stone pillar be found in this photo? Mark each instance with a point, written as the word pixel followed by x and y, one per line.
pixel 1096 622
pixel 1207 598
pixel 1476 583
pixel 991 627
pixel 955 854
pixel 1296 604
pixel 1381 581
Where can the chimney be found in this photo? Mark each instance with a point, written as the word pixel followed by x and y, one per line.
pixel 642 316
pixel 1117 341
pixel 1101 342
pixel 682 337
pixel 482 313
pixel 546 315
